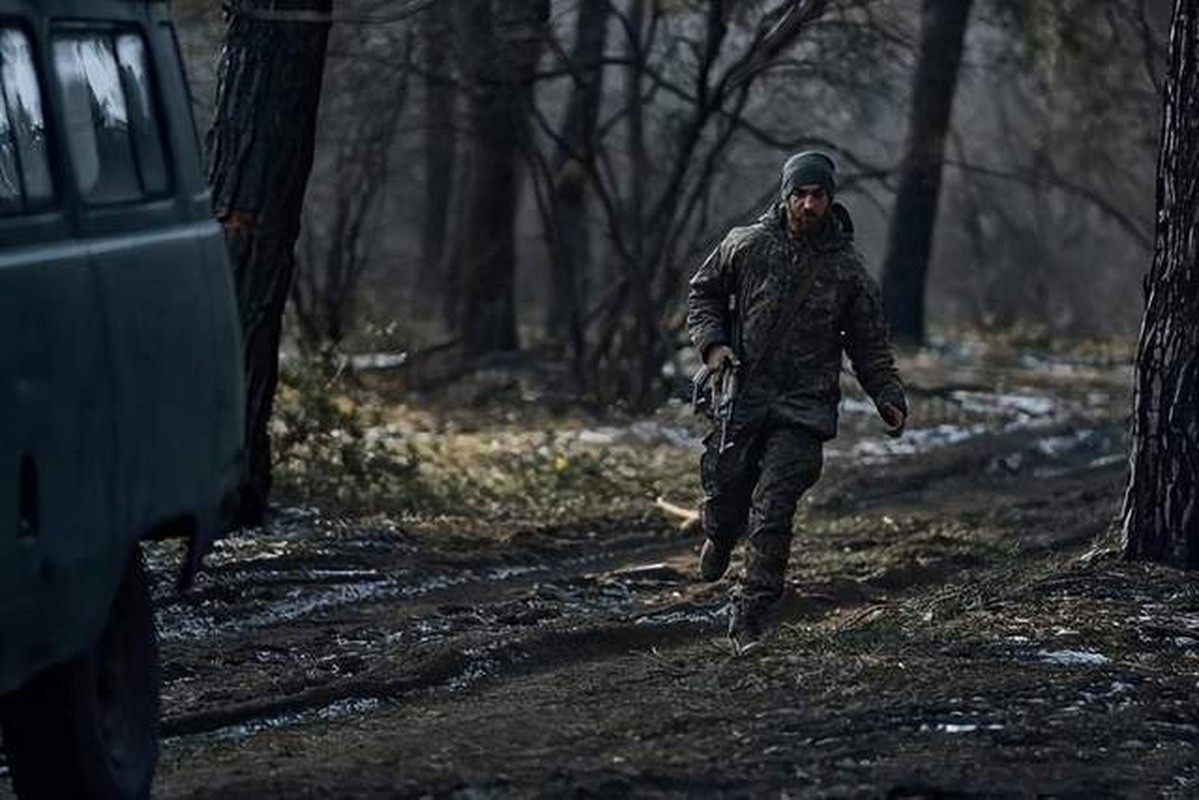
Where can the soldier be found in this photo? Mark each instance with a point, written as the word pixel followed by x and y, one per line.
pixel 777 303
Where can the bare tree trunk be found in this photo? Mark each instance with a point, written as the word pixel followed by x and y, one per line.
pixel 1161 506
pixel 501 50
pixel 260 154
pixel 440 147
pixel 641 347
pixel 910 242
pixel 569 234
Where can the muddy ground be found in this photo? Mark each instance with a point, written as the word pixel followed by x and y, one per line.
pixel 951 628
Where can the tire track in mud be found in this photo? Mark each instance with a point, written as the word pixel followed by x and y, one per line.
pixel 580 608
pixel 662 608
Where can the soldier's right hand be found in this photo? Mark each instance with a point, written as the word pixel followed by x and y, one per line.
pixel 720 356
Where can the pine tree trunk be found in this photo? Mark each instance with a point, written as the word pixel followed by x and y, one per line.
pixel 569 232
pixel 502 50
pixel 1161 505
pixel 910 241
pixel 440 147
pixel 260 154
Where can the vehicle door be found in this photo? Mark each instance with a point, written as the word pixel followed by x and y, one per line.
pixel 55 409
pixel 150 279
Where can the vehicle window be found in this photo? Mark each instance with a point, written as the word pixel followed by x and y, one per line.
pixel 112 129
pixel 10 178
pixel 97 120
pixel 135 78
pixel 24 166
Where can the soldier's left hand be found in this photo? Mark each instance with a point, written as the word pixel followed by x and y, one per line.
pixel 895 419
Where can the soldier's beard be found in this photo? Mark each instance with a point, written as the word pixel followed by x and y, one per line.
pixel 805 223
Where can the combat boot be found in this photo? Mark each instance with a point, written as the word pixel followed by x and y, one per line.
pixel 714 560
pixel 745 633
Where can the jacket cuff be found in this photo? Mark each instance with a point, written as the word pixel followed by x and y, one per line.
pixel 706 343
pixel 892 398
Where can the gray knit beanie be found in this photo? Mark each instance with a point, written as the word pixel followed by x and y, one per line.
pixel 807 168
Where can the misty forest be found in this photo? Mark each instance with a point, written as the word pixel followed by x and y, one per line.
pixel 467 556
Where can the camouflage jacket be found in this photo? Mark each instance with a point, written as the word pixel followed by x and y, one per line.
pixel 750 281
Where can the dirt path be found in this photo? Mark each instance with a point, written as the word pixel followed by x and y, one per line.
pixel 946 668
pixel 940 637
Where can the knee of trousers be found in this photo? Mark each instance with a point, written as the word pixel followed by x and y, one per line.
pixel 772 518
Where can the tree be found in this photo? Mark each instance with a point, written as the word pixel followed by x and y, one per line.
pixel 340 224
pixel 440 145
pixel 260 149
pixel 569 232
pixel 654 188
pixel 909 247
pixel 499 48
pixel 1161 505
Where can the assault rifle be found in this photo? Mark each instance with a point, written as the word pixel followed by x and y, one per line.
pixel 717 391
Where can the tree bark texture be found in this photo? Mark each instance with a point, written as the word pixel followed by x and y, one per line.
pixel 1161 505
pixel 909 246
pixel 260 151
pixel 500 43
pixel 570 244
pixel 440 146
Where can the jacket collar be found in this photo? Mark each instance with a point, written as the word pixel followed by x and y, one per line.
pixel 836 234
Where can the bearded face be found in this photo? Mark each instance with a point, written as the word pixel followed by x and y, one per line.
pixel 806 208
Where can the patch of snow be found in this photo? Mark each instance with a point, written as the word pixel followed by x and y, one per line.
pixel 652 432
pixel 599 436
pixel 1058 446
pixel 914 442
pixel 954 351
pixel 642 432
pixel 852 405
pixel 1073 658
pixel 1103 461
pixel 1024 407
pixel 365 361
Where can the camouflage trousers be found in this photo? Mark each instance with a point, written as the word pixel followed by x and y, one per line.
pixel 752 489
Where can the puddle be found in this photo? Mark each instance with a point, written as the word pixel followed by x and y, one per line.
pixel 686 616
pixel 505 573
pixel 245 730
pixel 180 623
pixel 960 727
pixel 660 572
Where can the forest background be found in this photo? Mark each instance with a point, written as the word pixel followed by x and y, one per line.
pixel 1044 228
